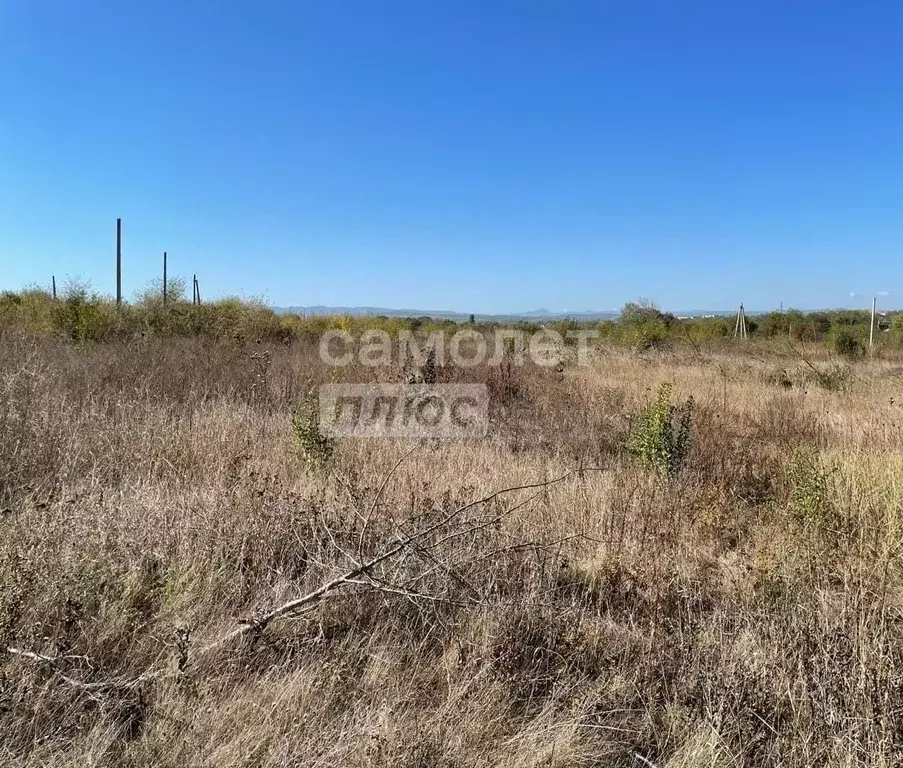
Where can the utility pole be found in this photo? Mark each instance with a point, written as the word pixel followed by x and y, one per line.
pixel 194 289
pixel 740 325
pixel 118 262
pixel 197 289
pixel 164 278
pixel 53 283
pixel 872 325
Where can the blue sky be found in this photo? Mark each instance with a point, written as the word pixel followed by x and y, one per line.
pixel 477 156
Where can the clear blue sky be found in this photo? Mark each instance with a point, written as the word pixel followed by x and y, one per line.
pixel 471 155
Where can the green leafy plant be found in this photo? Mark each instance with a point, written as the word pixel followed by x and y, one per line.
pixel 660 435
pixel 315 447
pixel 810 497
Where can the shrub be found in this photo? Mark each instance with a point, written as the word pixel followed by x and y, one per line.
pixel 29 309
pixel 642 312
pixel 775 324
pixel 836 379
pixel 315 447
pixel 810 502
pixel 845 342
pixel 607 329
pixel 653 440
pixel 649 335
pixel 82 315
pixel 707 329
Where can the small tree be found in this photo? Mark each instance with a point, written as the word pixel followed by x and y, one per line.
pixel 642 312
pixel 644 325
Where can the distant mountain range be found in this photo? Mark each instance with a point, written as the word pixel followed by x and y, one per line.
pixel 442 314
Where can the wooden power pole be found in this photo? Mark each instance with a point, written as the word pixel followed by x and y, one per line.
pixel 872 325
pixel 740 325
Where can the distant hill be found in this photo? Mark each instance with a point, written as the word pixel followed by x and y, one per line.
pixel 445 314
pixel 536 314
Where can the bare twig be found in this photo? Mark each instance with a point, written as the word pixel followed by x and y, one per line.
pixel 379 493
pixel 347 578
pixel 360 575
pixel 54 664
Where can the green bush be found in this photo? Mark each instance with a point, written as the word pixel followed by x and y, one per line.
pixel 83 315
pixel 644 326
pixel 315 447
pixel 708 328
pixel 643 312
pixel 648 335
pixel 810 497
pixel 29 308
pixel 659 436
pixel 607 329
pixel 846 342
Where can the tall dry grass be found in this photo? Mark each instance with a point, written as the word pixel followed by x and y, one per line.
pixel 743 612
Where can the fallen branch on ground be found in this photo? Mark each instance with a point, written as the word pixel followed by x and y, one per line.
pixel 350 577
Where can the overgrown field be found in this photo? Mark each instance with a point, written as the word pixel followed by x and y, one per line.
pixel 599 582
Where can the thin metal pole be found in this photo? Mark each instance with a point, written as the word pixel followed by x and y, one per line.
pixel 53 281
pixel 118 262
pixel 164 278
pixel 197 287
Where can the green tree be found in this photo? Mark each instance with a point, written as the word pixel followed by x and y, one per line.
pixel 644 311
pixel 644 325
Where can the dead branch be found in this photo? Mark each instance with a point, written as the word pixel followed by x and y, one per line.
pixel 358 576
pixel 54 663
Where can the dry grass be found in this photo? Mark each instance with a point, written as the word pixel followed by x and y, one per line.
pixel 744 612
